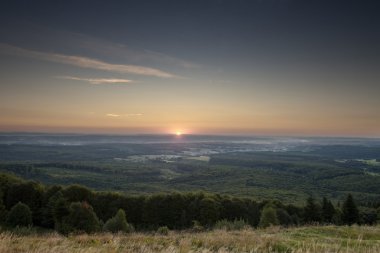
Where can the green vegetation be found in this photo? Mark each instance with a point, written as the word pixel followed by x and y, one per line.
pixel 292 176
pixel 350 211
pixel 313 239
pixel 118 223
pixel 19 215
pixel 268 216
pixel 77 209
pixel 255 201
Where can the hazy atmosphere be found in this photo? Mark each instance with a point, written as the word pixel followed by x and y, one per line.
pixel 190 126
pixel 287 67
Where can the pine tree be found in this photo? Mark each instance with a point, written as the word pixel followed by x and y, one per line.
pixel 60 212
pixel 328 211
pixel 312 211
pixel 350 213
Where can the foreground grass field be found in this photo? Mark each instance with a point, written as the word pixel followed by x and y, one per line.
pixel 353 239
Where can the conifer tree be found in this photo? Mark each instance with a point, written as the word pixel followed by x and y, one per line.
pixel 312 211
pixel 350 213
pixel 328 211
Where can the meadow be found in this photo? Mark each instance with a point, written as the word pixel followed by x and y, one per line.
pixel 310 239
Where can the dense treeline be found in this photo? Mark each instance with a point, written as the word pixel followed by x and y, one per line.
pixel 77 208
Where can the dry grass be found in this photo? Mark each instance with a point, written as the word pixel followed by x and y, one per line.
pixel 305 239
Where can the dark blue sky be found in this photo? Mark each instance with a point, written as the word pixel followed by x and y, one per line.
pixel 278 51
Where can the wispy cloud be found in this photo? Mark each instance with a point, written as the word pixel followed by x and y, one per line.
pixel 97 80
pixel 123 115
pixel 84 62
pixel 112 115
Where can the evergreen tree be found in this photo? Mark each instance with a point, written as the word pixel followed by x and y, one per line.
pixel 350 213
pixel 60 213
pixel 48 210
pixel 312 211
pixel 268 217
pixel 118 223
pixel 20 215
pixel 328 211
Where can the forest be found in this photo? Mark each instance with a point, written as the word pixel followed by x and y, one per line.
pixel 77 209
pixel 287 170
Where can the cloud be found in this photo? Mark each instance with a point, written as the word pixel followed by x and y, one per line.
pixel 47 39
pixel 132 114
pixel 112 115
pixel 121 51
pixel 124 115
pixel 84 62
pixel 97 80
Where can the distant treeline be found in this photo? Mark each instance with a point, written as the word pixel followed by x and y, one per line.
pixel 76 208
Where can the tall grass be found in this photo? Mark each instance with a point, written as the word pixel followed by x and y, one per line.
pixel 311 239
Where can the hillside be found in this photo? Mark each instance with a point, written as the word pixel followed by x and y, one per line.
pixel 286 169
pixel 312 239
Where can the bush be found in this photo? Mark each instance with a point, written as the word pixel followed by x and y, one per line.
pixel 163 230
pixel 231 225
pixel 268 217
pixel 20 215
pixel 197 227
pixel 82 218
pixel 24 231
pixel 118 223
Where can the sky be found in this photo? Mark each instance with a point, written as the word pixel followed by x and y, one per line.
pixel 255 67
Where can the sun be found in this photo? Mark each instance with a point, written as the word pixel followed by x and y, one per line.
pixel 178 133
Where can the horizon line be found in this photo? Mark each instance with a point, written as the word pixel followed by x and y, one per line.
pixel 191 134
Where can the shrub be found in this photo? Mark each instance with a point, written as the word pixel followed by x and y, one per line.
pixel 283 217
pixel 82 218
pixel 118 223
pixel 268 217
pixel 163 230
pixel 197 227
pixel 20 215
pixel 231 225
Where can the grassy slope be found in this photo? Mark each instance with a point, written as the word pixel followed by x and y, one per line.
pixel 304 239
